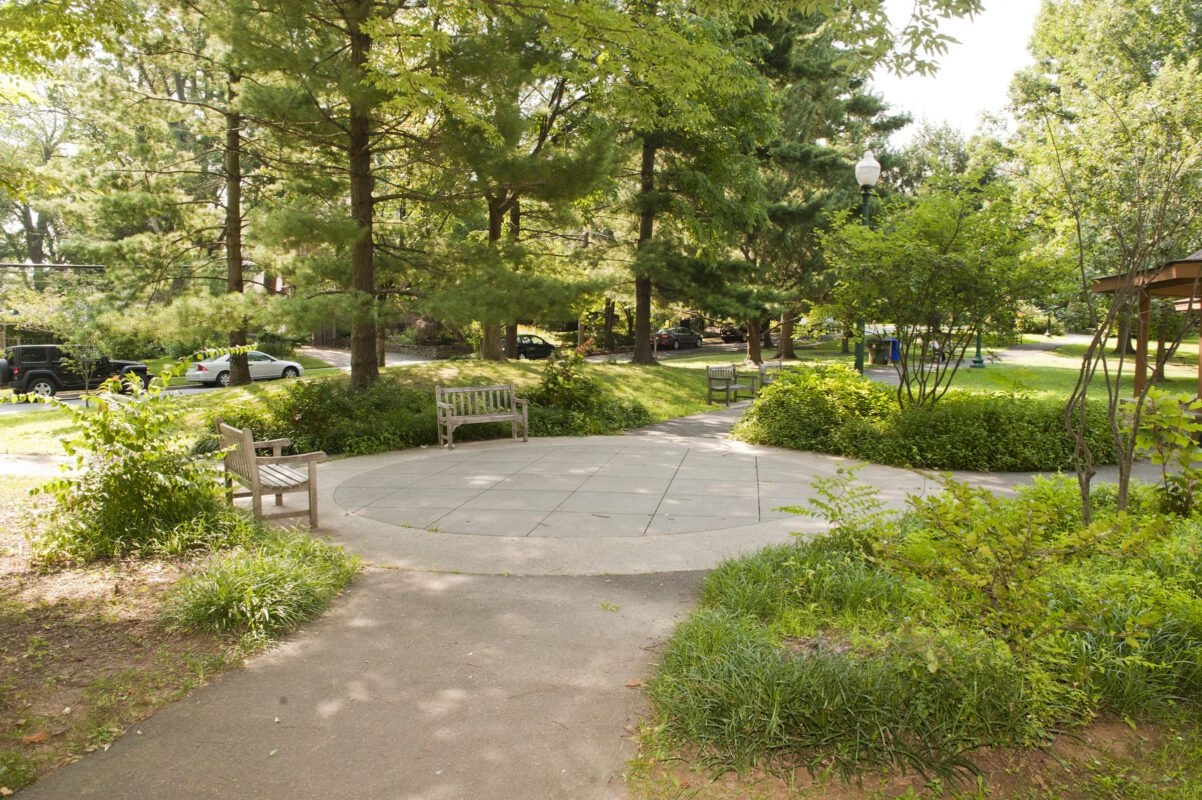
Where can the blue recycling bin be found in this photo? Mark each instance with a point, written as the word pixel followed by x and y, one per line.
pixel 894 349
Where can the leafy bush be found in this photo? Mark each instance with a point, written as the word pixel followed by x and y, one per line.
pixel 135 479
pixel 805 408
pixel 263 588
pixel 833 410
pixel 973 622
pixel 391 414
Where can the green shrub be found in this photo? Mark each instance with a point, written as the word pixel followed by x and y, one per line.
pixel 390 414
pixel 832 410
pixel 135 480
pixel 805 408
pixel 974 622
pixel 263 588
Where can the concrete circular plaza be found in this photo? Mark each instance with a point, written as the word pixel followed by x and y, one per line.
pixel 673 497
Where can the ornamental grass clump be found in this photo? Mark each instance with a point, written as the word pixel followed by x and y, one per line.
pixel 908 643
pixel 262 588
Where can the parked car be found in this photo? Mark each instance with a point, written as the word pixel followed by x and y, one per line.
pixel 46 369
pixel 263 367
pixel 675 338
pixel 732 335
pixel 531 346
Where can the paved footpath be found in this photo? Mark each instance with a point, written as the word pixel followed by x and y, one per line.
pixel 514 591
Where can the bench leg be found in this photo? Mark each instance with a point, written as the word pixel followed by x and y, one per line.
pixel 312 495
pixel 256 504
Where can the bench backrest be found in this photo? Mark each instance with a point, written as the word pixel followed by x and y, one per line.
pixel 769 370
pixel 472 401
pixel 721 375
pixel 240 458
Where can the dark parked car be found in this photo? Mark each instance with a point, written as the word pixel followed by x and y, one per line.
pixel 530 346
pixel 676 338
pixel 732 335
pixel 44 369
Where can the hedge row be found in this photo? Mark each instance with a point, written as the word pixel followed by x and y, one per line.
pixel 831 409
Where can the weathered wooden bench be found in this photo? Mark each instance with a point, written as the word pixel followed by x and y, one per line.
pixel 464 405
pixel 726 381
pixel 263 475
pixel 769 370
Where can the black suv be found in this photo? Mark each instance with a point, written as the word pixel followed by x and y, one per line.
pixel 44 369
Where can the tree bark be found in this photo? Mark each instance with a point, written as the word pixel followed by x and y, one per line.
pixel 642 283
pixel 490 343
pixel 754 354
pixel 239 367
pixel 785 351
pixel 364 367
pixel 607 331
pixel 515 232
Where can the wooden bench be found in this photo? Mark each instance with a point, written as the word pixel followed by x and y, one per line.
pixel 465 405
pixel 768 372
pixel 262 475
pixel 727 382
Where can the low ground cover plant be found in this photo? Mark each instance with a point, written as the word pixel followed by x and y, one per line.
pixel 830 409
pixel 910 642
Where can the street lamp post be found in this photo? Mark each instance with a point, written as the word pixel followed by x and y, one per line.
pixel 868 172
pixel 977 361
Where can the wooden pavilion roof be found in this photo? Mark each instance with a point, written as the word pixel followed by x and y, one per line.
pixel 1181 278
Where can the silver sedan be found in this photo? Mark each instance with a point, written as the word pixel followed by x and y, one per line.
pixel 262 367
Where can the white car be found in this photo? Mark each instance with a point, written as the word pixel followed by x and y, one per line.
pixel 262 367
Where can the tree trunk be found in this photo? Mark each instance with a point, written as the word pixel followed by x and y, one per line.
pixel 767 335
pixel 1161 357
pixel 515 232
pixel 1123 344
pixel 364 369
pixel 607 330
pixel 754 354
pixel 629 321
pixel 785 351
pixel 239 367
pixel 581 333
pixel 490 344
pixel 642 284
pixel 381 346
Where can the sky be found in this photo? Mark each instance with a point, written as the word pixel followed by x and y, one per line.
pixel 973 76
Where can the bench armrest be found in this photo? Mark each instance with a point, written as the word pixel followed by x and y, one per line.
pixel 317 455
pixel 447 406
pixel 521 401
pixel 273 443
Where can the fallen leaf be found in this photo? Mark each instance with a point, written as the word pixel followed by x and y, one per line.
pixel 5 791
pixel 34 738
pixel 633 683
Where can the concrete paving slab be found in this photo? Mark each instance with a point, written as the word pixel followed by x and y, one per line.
pixel 605 502
pixel 426 498
pixel 405 517
pixel 633 485
pixel 592 525
pixel 490 521
pixel 519 501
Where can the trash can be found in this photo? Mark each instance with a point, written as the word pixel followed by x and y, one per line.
pixel 894 349
pixel 879 351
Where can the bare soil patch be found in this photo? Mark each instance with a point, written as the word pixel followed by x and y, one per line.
pixel 83 655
